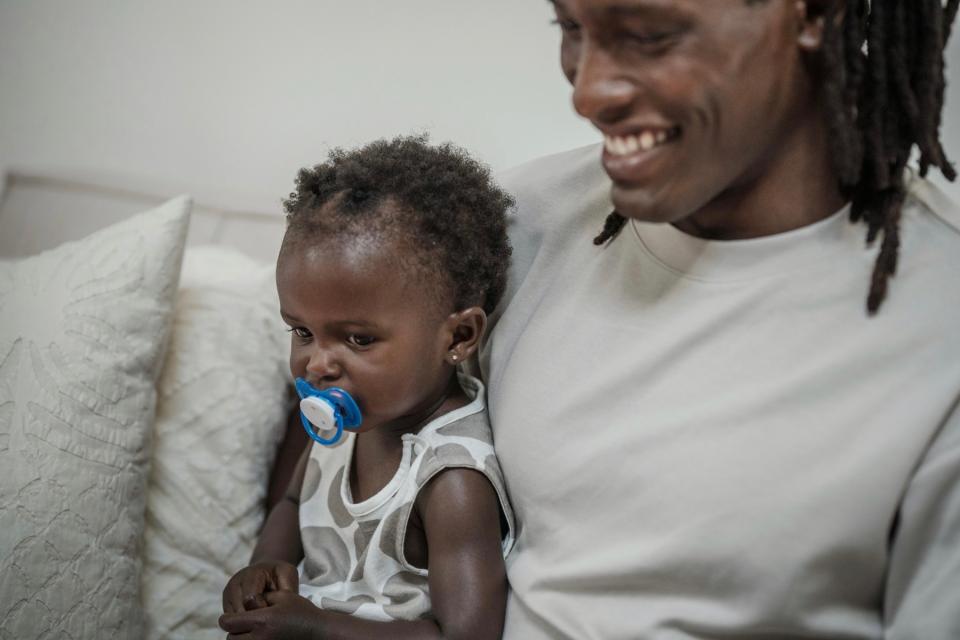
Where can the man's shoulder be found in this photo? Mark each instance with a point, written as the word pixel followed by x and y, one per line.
pixel 928 265
pixel 556 191
pixel 570 163
pixel 576 171
pixel 930 229
pixel 929 202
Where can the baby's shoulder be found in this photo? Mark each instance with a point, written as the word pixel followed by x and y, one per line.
pixel 464 442
pixel 450 455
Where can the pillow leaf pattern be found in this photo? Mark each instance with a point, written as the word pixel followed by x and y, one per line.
pixel 82 338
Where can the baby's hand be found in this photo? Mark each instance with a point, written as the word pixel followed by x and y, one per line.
pixel 287 616
pixel 246 589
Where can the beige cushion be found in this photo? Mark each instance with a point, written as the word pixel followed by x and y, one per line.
pixel 83 331
pixel 221 413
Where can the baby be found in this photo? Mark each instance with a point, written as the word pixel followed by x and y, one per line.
pixel 394 255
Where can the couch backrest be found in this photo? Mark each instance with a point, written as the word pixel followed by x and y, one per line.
pixel 39 211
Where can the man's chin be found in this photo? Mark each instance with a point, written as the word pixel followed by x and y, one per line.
pixel 641 205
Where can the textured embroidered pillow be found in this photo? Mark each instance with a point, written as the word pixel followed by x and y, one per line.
pixel 82 336
pixel 220 414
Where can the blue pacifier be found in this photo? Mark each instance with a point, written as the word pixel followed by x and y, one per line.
pixel 326 412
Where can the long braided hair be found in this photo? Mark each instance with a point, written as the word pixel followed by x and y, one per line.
pixel 883 88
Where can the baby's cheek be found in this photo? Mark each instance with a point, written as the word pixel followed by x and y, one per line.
pixel 380 402
pixel 298 363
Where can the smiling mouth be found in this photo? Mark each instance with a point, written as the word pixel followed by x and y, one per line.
pixel 645 140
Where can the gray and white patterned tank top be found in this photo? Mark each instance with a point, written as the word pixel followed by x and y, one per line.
pixel 353 551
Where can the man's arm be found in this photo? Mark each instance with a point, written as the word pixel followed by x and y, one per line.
pixel 922 596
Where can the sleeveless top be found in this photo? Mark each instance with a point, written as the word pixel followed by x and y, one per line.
pixel 353 551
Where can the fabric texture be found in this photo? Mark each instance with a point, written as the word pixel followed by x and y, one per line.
pixel 221 412
pixel 83 330
pixel 712 439
pixel 354 558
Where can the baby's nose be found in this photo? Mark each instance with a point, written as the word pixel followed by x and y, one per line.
pixel 323 366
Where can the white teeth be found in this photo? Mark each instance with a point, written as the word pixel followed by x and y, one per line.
pixel 647 140
pixel 644 141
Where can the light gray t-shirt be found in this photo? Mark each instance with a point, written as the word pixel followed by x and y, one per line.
pixel 712 439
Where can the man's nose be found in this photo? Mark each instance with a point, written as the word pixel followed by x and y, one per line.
pixel 601 92
pixel 323 365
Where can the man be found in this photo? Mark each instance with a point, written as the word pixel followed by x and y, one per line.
pixel 723 417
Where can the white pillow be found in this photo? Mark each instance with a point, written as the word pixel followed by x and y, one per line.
pixel 221 413
pixel 83 329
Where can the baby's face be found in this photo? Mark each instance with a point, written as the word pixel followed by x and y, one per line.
pixel 360 321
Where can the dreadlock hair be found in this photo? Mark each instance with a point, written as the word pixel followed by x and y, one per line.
pixel 883 87
pixel 442 204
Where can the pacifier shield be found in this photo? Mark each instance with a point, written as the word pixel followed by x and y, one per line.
pixel 325 413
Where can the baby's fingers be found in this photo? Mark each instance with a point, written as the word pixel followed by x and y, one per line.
pixel 233 598
pixel 238 624
pixel 287 578
pixel 254 601
pixel 245 584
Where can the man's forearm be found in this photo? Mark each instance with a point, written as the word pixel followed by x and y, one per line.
pixel 342 626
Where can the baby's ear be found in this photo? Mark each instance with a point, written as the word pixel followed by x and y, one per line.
pixel 465 329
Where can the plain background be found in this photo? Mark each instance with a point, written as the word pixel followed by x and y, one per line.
pixel 227 99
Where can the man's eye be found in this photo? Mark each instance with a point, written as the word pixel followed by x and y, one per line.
pixel 301 332
pixel 651 38
pixel 360 340
pixel 566 26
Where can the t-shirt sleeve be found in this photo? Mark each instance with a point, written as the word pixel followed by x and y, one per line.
pixel 923 584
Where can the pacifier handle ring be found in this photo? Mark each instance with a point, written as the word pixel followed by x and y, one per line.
pixel 324 441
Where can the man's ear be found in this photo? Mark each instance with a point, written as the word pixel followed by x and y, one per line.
pixel 465 329
pixel 811 20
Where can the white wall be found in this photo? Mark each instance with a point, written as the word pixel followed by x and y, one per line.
pixel 227 98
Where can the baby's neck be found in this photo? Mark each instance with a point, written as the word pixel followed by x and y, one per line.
pixel 446 400
pixel 377 453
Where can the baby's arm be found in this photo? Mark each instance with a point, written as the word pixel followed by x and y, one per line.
pixel 468 581
pixel 279 549
pixel 280 538
pixel 468 586
pixel 295 440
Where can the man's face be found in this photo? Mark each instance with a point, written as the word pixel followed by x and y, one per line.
pixel 696 98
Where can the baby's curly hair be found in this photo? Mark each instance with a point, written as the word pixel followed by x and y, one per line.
pixel 444 204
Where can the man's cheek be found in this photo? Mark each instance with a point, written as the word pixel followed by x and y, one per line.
pixel 569 58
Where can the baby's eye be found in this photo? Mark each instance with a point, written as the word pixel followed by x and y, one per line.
pixel 301 332
pixel 358 340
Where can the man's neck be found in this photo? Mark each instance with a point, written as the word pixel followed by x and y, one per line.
pixel 794 188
